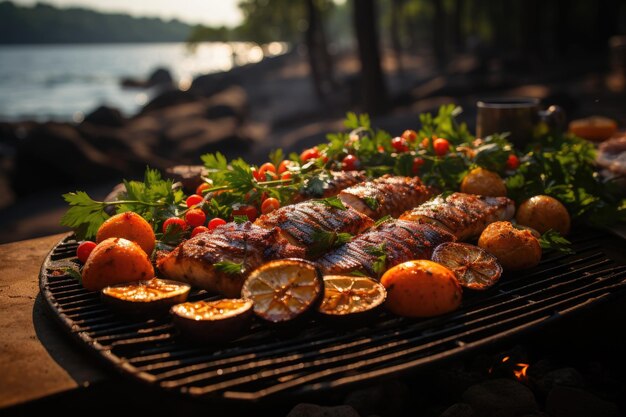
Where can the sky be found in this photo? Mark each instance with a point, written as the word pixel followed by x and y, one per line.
pixel 208 12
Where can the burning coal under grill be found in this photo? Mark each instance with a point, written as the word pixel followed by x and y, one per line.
pixel 315 356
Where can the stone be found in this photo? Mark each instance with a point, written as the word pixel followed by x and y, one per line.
pixel 387 398
pixel 105 116
pixel 313 410
pixel 160 76
pixel 189 175
pixel 565 401
pixel 568 377
pixel 170 98
pixel 459 410
pixel 500 398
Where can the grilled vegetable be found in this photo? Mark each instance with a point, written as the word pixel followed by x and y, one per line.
pixel 421 288
pixel 474 267
pixel 213 321
pixel 464 215
pixel 347 297
pixel 284 290
pixel 544 213
pixel 145 298
pixel 386 196
pixel 113 261
pixel 514 248
pixel 389 244
pixel 483 182
pixel 130 226
pixel 221 260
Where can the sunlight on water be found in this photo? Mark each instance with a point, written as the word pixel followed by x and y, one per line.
pixel 65 82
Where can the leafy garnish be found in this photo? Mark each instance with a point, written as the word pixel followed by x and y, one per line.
pixel 276 157
pixel 239 219
pixel 84 215
pixel 382 220
pixel 357 274
pixel 371 202
pixel 380 264
pixel 230 268
pixel 73 273
pixel 553 240
pixel 324 240
pixel 333 202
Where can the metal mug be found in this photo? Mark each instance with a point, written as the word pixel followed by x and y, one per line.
pixel 520 116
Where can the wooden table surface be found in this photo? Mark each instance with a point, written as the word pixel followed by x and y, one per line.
pixel 36 359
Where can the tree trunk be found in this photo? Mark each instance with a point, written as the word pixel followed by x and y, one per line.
pixel 439 34
pixel 312 48
pixel 372 81
pixel 395 34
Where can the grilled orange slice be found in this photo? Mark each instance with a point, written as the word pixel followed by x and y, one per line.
pixel 350 296
pixel 284 289
pixel 213 321
pixel 474 267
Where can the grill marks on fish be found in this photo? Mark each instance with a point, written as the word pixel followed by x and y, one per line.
pixel 464 215
pixel 193 261
pixel 299 223
pixel 402 241
pixel 386 196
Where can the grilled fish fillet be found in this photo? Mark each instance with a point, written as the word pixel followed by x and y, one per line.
pixel 464 215
pixel 332 185
pixel 399 240
pixel 301 223
pixel 387 195
pixel 193 260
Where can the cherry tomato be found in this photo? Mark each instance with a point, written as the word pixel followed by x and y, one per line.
pixel 269 205
pixel 512 162
pixel 284 166
pixel 194 199
pixel 441 146
pixel 174 223
pixel 215 223
pixel 311 153
pixel 399 144
pixel 350 163
pixel 381 148
pixel 202 187
pixel 417 164
pixel 409 135
pixel 286 175
pixel 246 210
pixel 199 229
pixel 266 168
pixel 84 249
pixel 425 143
pixel 195 217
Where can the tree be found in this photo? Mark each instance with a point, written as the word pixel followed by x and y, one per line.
pixel 373 86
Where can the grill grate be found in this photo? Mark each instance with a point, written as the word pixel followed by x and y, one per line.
pixel 269 362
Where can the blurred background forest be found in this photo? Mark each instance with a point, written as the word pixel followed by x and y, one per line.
pixel 89 97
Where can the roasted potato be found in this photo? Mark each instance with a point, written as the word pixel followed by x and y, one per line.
pixel 483 182
pixel 514 248
pixel 113 261
pixel 543 213
pixel 130 226
pixel 421 289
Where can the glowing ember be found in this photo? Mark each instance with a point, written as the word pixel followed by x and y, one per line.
pixel 520 371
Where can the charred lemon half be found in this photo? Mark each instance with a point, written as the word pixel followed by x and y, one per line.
pixel 152 297
pixel 346 296
pixel 213 321
pixel 474 267
pixel 283 290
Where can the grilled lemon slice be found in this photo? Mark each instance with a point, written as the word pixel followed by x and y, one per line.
pixel 145 298
pixel 283 290
pixel 474 267
pixel 346 296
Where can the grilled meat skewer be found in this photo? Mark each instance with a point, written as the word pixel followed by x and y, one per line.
pixel 193 261
pixel 339 180
pixel 464 215
pixel 386 196
pixel 397 240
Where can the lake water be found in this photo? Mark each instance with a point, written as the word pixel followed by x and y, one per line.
pixel 64 82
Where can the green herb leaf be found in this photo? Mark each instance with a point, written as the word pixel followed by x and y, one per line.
pixel 553 240
pixel 357 274
pixel 380 264
pixel 85 215
pixel 382 220
pixel 334 202
pixel 324 240
pixel 230 268
pixel 276 157
pixel 239 219
pixel 371 202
